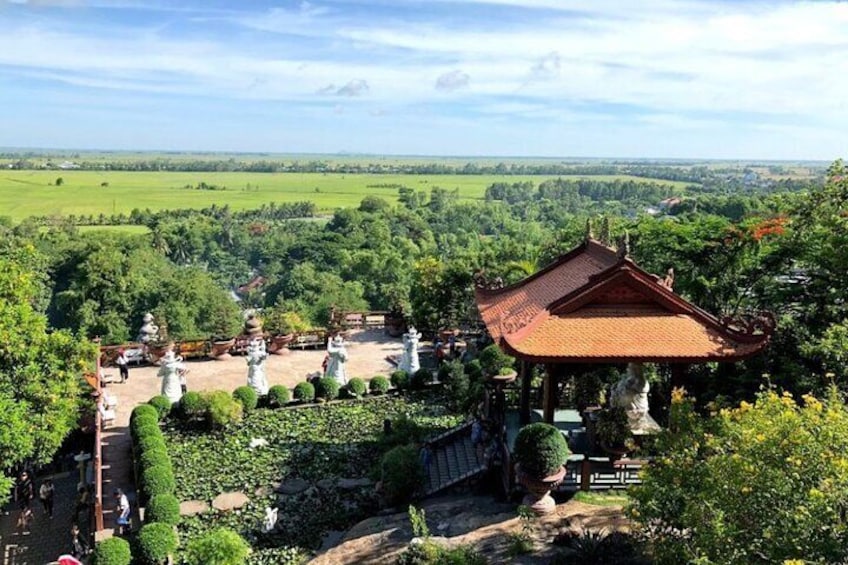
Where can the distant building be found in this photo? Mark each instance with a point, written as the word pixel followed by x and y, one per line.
pixel 255 283
pixel 669 203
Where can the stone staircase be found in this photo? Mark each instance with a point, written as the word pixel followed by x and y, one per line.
pixel 454 460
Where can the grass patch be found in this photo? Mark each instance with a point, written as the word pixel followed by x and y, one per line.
pixel 115 192
pixel 609 498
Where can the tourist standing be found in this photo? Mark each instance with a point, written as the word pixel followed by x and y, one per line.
pixel 123 511
pixel 79 548
pixel 83 502
pixel 123 365
pixel 24 493
pixel 45 493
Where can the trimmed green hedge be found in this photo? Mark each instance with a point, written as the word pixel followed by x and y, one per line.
pixel 304 392
pixel 162 404
pixel 247 397
pixel 158 479
pixel 279 395
pixel 155 542
pixel 402 474
pixel 357 387
pixel 327 388
pixel 400 380
pixel 113 551
pixel 192 405
pixel 379 385
pixel 164 508
pixel 143 409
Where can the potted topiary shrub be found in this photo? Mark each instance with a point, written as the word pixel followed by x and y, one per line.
pixel 247 397
pixel 493 361
pixel 540 453
pixel 304 392
pixel 612 432
pixel 164 508
pixel 327 388
pixel 356 387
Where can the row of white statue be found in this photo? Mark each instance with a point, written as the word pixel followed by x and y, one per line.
pixel 172 366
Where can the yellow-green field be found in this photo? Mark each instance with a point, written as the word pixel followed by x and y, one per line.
pixel 28 193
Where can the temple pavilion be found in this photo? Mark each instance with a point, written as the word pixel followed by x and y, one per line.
pixel 595 305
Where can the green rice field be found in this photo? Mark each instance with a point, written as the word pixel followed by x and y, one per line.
pixel 26 193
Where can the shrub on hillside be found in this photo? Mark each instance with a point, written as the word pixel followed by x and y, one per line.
pixel 221 546
pixel 762 482
pixel 222 409
pixel 304 392
pixel 112 551
pixel 400 380
pixel 158 479
pixel 162 405
pixel 327 388
pixel 458 387
pixel 357 387
pixel 192 405
pixel 279 395
pixel 247 397
pixel 156 541
pixel 164 508
pixel 379 385
pixel 402 474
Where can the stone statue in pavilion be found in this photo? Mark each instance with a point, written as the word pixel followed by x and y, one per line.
pixel 409 362
pixel 149 332
pixel 270 521
pixel 256 356
pixel 631 393
pixel 171 366
pixel 337 357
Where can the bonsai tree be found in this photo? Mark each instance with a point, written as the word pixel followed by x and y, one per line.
pixel 493 361
pixel 540 453
pixel 612 430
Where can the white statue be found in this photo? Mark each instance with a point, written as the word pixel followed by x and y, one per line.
pixel 270 520
pixel 337 358
pixel 256 356
pixel 409 362
pixel 169 371
pixel 631 393
pixel 149 331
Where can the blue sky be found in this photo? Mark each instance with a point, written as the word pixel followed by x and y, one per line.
pixel 653 78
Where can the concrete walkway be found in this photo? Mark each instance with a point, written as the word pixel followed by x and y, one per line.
pixel 367 350
pixel 50 538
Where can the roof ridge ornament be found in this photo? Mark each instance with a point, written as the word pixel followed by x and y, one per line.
pixel 606 232
pixel 624 246
pixel 668 281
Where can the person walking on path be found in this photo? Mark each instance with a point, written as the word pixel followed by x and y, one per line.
pixel 79 548
pixel 24 494
pixel 45 493
pixel 83 502
pixel 123 511
pixel 123 365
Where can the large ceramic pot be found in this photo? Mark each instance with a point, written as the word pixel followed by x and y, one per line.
pixel 538 496
pixel 221 349
pixel 279 343
pixel 155 351
pixel 395 325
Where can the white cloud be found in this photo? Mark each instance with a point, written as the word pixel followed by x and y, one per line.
pixel 452 80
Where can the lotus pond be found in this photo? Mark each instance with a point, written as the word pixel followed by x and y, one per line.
pixel 320 444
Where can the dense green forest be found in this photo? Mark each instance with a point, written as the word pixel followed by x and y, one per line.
pixel 760 249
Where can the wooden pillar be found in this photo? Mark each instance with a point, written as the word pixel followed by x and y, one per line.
pixel 678 375
pixel 524 405
pixel 550 396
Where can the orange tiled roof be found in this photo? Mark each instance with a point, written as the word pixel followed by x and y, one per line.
pixel 628 333
pixel 527 298
pixel 591 305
